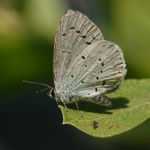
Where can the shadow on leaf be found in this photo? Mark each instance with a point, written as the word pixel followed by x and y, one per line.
pixel 89 106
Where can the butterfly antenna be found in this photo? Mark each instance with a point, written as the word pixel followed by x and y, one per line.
pixel 42 90
pixel 38 83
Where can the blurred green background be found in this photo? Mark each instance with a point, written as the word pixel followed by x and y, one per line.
pixel 27 31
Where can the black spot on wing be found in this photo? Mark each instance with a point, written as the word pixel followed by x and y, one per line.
pixel 71 28
pixel 83 57
pixel 104 82
pixel 83 36
pixel 64 34
pixel 88 43
pixel 77 31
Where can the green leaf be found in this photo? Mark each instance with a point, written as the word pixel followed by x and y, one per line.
pixel 131 107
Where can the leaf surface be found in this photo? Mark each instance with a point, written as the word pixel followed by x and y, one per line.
pixel 131 107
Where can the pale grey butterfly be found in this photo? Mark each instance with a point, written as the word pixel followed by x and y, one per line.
pixel 85 65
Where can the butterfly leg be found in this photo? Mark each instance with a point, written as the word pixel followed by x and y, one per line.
pixel 65 105
pixel 77 106
pixel 102 100
pixel 56 101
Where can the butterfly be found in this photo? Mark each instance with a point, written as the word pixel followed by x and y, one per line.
pixel 85 65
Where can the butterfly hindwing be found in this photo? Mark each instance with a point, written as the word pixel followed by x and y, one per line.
pixel 98 69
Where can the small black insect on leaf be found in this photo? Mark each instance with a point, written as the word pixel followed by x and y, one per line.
pixel 94 124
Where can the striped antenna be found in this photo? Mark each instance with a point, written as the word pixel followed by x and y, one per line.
pixel 36 83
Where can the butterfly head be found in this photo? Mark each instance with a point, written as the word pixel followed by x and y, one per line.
pixel 51 93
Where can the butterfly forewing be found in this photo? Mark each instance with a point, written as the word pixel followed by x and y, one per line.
pixel 74 33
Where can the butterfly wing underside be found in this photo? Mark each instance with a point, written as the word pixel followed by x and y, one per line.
pixel 74 33
pixel 97 70
pixel 84 63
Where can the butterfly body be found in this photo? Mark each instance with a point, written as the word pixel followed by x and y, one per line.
pixel 85 65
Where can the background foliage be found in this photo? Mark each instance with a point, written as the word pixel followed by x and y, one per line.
pixel 27 30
